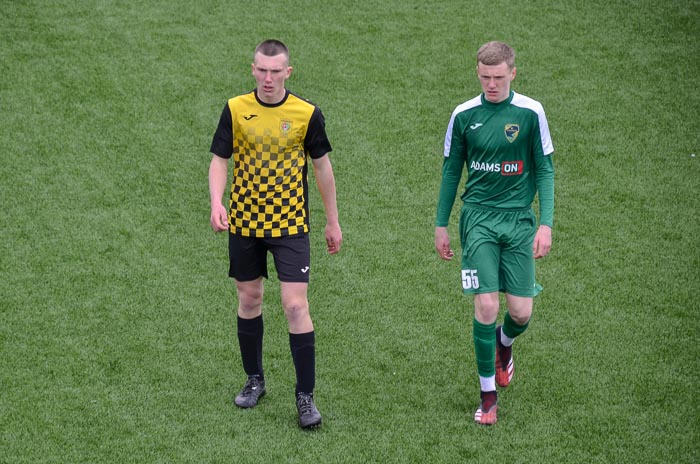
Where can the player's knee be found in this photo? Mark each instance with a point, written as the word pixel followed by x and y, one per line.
pixel 520 314
pixel 250 303
pixel 296 310
pixel 521 318
pixel 249 309
pixel 519 308
pixel 486 307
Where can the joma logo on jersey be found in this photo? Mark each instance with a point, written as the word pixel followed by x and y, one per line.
pixel 507 168
pixel 512 131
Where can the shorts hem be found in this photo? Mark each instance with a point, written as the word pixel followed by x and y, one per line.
pixel 479 291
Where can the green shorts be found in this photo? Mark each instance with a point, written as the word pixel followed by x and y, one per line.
pixel 497 252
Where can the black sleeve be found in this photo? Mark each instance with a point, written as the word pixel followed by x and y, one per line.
pixel 316 143
pixel 222 144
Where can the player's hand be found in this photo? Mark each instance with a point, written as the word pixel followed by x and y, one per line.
pixel 543 242
pixel 219 218
pixel 334 238
pixel 442 243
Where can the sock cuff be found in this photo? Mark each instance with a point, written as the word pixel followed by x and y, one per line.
pixel 511 329
pixel 484 331
pixel 250 326
pixel 303 339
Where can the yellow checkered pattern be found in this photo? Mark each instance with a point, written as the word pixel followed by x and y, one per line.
pixel 268 190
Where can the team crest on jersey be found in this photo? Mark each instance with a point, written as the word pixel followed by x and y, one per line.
pixel 285 126
pixel 512 131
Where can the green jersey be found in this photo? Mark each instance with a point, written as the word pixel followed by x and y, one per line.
pixel 505 147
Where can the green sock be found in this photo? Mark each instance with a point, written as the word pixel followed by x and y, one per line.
pixel 511 329
pixel 485 348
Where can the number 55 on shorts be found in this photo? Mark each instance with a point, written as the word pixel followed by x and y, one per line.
pixel 469 279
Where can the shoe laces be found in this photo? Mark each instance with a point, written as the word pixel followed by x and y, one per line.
pixel 305 403
pixel 251 385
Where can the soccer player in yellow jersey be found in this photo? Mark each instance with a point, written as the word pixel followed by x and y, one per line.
pixel 269 134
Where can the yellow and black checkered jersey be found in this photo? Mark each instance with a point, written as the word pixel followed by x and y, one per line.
pixel 269 145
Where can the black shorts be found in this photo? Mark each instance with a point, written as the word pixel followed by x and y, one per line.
pixel 248 257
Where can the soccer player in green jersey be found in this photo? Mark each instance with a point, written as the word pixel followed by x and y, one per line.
pixel 503 140
pixel 270 133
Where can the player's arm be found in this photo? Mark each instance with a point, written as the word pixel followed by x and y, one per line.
pixel 325 180
pixel 451 175
pixel 218 174
pixel 452 167
pixel 545 192
pixel 221 149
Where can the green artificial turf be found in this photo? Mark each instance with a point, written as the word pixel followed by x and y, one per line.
pixel 117 332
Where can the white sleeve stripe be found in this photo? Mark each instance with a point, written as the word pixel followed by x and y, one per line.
pixel 526 102
pixel 448 137
pixel 476 101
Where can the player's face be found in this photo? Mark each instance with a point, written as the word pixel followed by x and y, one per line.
pixel 270 73
pixel 495 81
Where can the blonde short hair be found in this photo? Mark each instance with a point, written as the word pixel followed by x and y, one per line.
pixel 494 53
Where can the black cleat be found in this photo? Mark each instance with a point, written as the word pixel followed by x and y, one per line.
pixel 309 417
pixel 252 391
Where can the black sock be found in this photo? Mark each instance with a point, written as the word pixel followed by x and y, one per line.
pixel 303 349
pixel 250 338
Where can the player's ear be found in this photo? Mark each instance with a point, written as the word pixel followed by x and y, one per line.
pixel 513 72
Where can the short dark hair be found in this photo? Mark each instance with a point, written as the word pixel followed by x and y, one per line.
pixel 494 53
pixel 271 47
